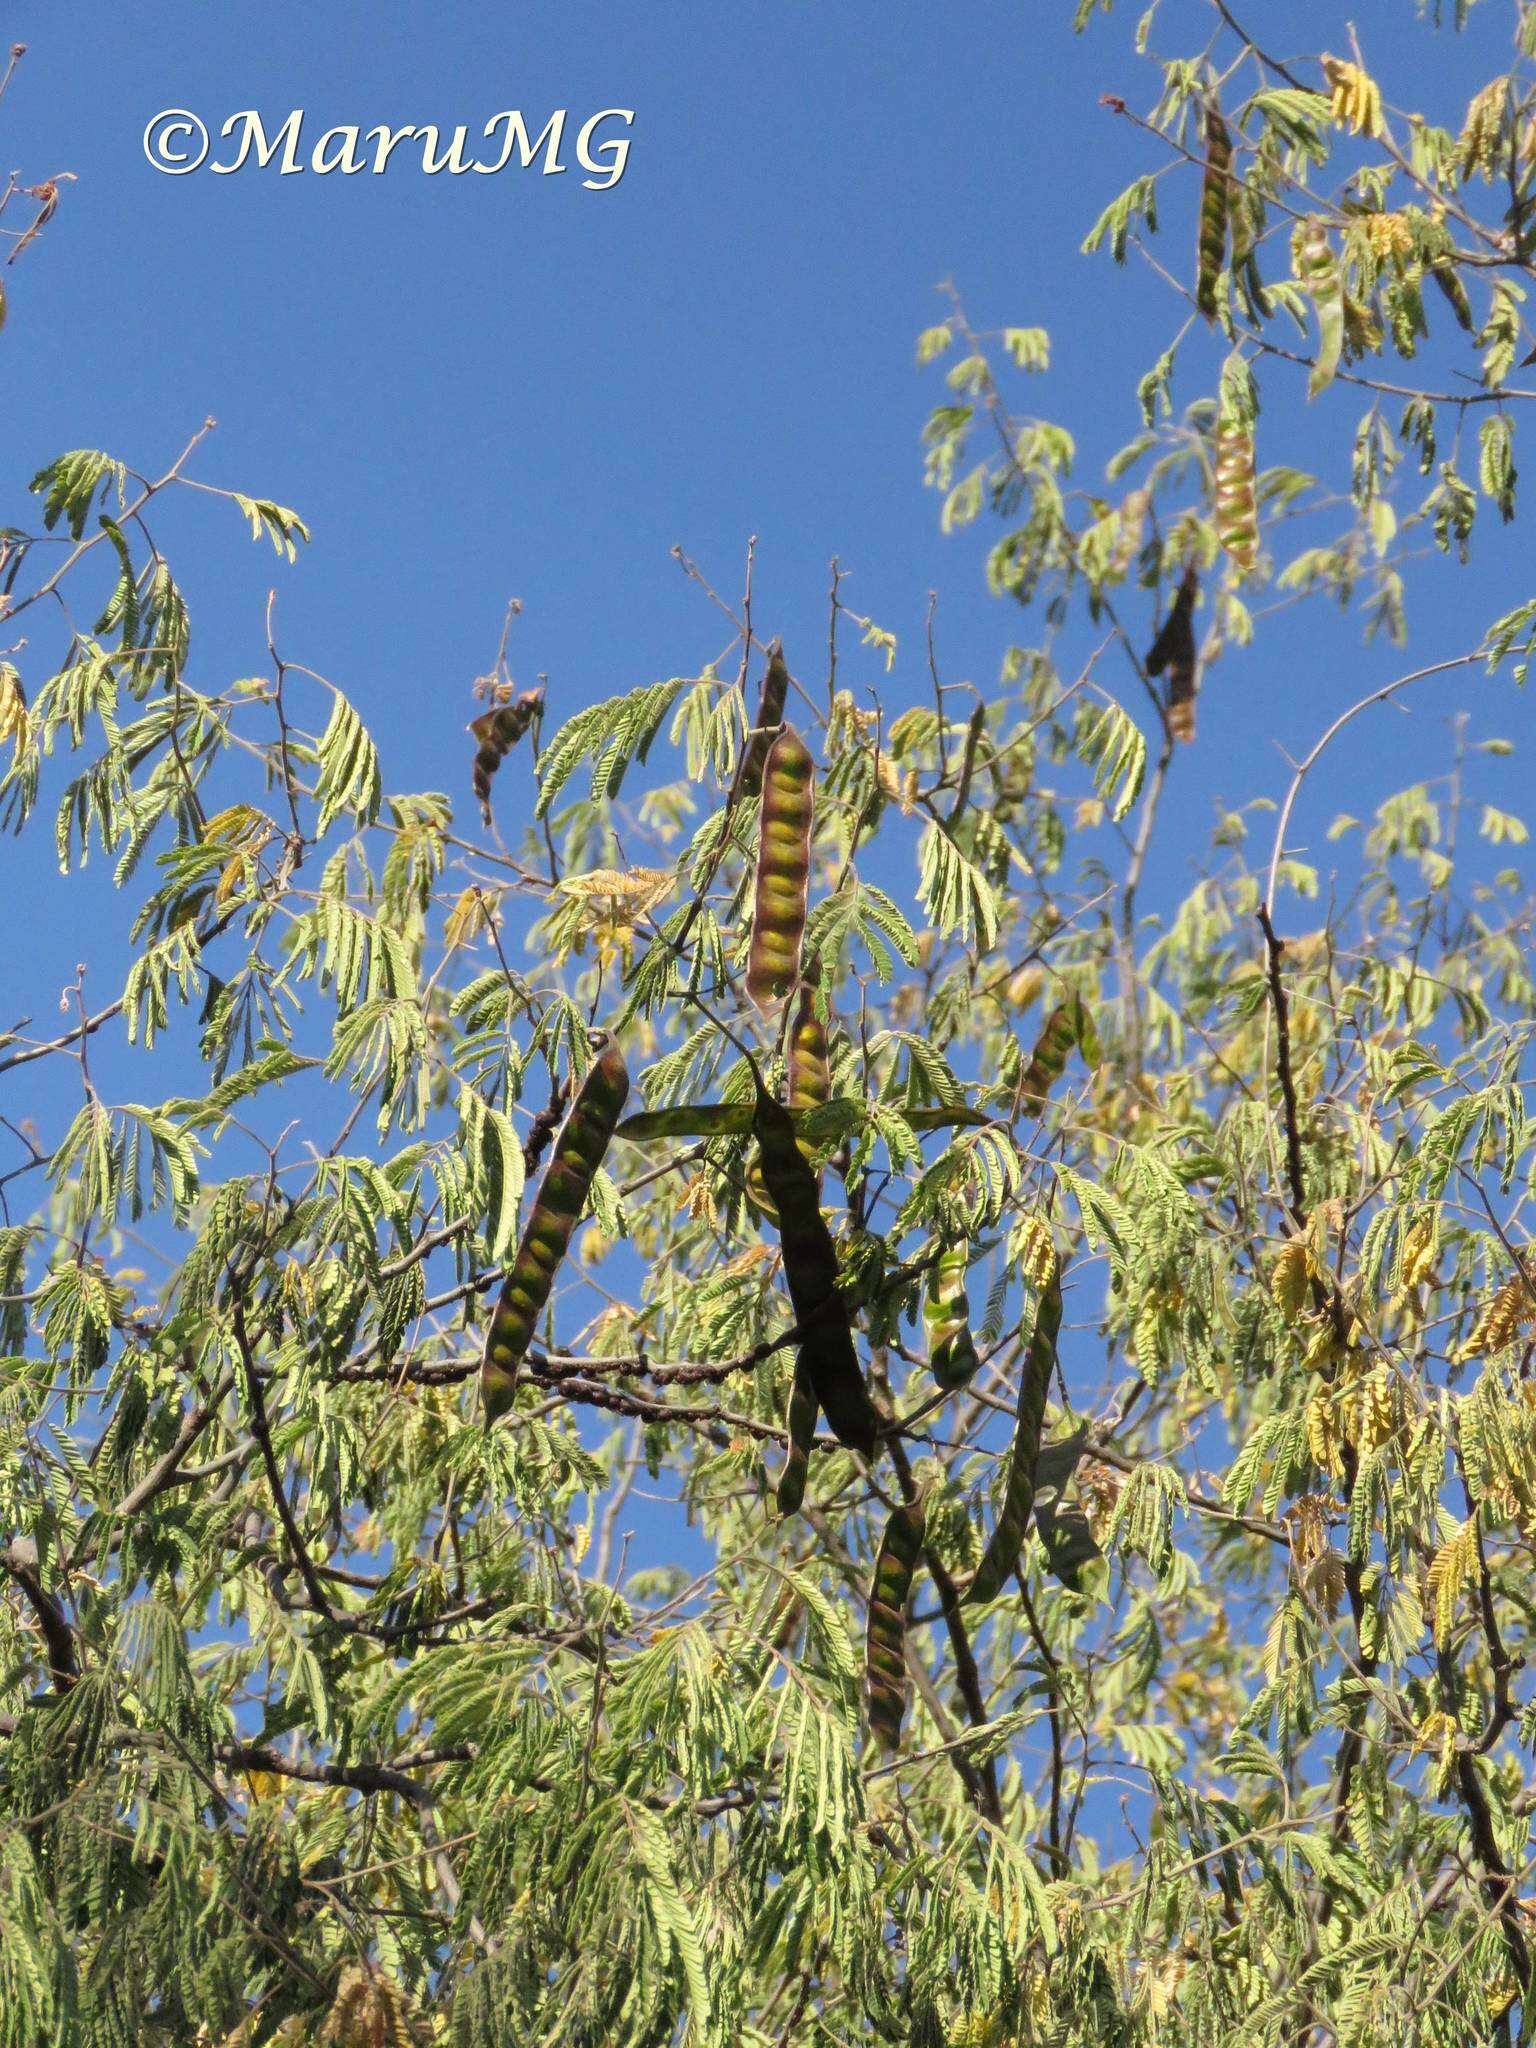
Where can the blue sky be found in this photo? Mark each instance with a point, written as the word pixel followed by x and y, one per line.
pixel 477 388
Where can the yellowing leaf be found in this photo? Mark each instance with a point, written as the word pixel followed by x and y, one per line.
pixel 1454 1563
pixel 1288 1279
pixel 1501 1320
pixel 1356 97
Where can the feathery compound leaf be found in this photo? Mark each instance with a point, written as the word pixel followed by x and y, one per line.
pixel 349 769
pixel 1511 1308
pixel 491 1142
pixel 957 896
pixel 810 1269
pixel 578 1152
pixel 1002 1552
pixel 614 733
pixel 1214 208
pixel 1109 741
pixel 781 889
pixel 1356 97
pixel 275 522
pixel 885 1643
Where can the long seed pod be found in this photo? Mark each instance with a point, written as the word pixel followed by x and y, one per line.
pixel 810 1085
pixel 952 1357
pixel 1061 1525
pixel 770 715
pixel 1317 269
pixel 1214 209
pixel 1174 650
pixel 810 1065
pixel 885 1642
pixel 810 1269
pixel 783 870
pixel 1068 1024
pixel 734 1119
pixel 496 733
pixel 1449 280
pixel 578 1151
pixel 1237 510
pixel 800 1424
pixel 1002 1553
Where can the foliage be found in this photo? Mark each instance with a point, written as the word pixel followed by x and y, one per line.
pixel 1164 1281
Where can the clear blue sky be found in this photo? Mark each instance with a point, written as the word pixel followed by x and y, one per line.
pixel 477 388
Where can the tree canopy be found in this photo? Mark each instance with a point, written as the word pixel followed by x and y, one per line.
pixel 722 1387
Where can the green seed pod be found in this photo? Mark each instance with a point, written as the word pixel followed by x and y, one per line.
pixel 885 1642
pixel 810 1269
pixel 1068 1024
pixel 800 1423
pixel 1174 650
pixel 1448 277
pixel 1061 1525
pixel 578 1151
pixel 952 1355
pixel 783 870
pixel 1313 260
pixel 810 1085
pixel 1237 511
pixel 1214 208
pixel 810 1066
pixel 770 715
pixel 1002 1553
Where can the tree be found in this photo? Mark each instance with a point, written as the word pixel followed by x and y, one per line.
pixel 1090 1335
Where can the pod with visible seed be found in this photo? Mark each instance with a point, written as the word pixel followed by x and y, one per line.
pixel 1215 206
pixel 800 1426
pixel 1315 266
pixel 810 1270
pixel 1237 510
pixel 810 1085
pixel 578 1151
pixel 952 1355
pixel 885 1642
pixel 496 733
pixel 1069 1024
pixel 1002 1553
pixel 783 870
pixel 1449 280
pixel 770 716
pixel 1174 650
pixel 734 1120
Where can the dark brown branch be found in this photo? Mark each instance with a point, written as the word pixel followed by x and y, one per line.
pixel 19 1560
pixel 982 1779
pixel 314 1584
